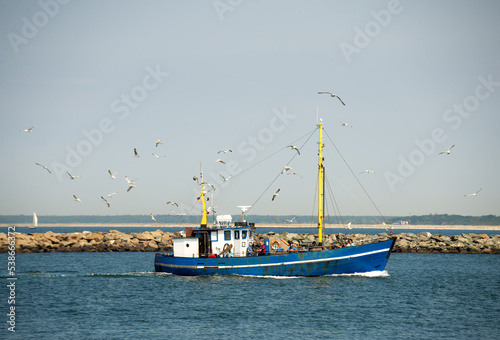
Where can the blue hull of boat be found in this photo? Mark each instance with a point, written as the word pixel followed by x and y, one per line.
pixel 350 260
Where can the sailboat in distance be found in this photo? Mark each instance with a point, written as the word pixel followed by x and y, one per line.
pixel 35 221
pixel 223 248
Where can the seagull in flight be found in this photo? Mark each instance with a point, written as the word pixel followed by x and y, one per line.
pixel 295 173
pixel 43 166
pixel 448 151
pixel 153 218
pixel 332 95
pixel 220 161
pixel 158 142
pixel 130 183
pixel 225 151
pixel 293 147
pixel 112 174
pixel 275 194
pixel 474 194
pixel 173 203
pixel 224 178
pixel 135 153
pixel 111 195
pixel 290 221
pixel 71 176
pixel 106 201
pixel 367 172
pixel 285 169
pixel 76 198
pixel 158 156
pixel 345 124
pixel 348 226
pixel 27 130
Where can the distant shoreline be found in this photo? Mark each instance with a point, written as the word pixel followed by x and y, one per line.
pixel 269 226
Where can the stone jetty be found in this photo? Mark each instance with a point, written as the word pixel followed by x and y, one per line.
pixel 150 241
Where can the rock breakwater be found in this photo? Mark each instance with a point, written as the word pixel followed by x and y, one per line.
pixel 149 241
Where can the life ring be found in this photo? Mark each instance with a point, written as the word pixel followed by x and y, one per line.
pixel 275 244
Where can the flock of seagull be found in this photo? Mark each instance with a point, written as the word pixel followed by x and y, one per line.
pixel 112 174
pixel 286 169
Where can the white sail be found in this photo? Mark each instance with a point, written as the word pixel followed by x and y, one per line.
pixel 35 220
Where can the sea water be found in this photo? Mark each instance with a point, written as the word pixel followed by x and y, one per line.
pixel 119 296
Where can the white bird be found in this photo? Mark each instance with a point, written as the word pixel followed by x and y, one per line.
pixel 293 147
pixel 130 181
pixel 225 151
pixel 43 166
pixel 275 194
pixel 77 199
pixel 332 95
pixel 158 156
pixel 367 172
pixel 153 218
pixel 158 142
pixel 27 130
pixel 295 173
pixel 173 203
pixel 224 178
pixel 448 151
pixel 348 226
pixel 112 174
pixel 135 153
pixel 345 124
pixel 130 187
pixel 474 194
pixel 220 161
pixel 111 195
pixel 71 176
pixel 211 185
pixel 290 221
pixel 285 169
pixel 106 201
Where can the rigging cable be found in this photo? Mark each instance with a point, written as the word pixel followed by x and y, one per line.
pixel 352 172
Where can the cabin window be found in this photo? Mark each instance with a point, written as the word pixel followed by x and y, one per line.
pixel 227 235
pixel 214 236
pixel 236 234
pixel 244 235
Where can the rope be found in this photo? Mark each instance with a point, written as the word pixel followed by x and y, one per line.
pixel 274 180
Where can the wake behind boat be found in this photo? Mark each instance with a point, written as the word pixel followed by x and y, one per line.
pixel 223 248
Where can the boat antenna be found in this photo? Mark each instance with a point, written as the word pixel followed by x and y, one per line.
pixel 244 208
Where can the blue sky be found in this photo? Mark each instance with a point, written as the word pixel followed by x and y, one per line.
pixel 97 79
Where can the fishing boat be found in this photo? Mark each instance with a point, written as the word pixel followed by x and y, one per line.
pixel 35 222
pixel 223 248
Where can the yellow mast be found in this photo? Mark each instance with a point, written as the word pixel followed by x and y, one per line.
pixel 321 218
pixel 202 196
